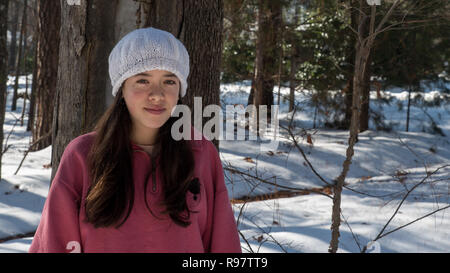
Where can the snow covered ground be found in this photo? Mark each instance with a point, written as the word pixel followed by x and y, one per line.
pixel 385 166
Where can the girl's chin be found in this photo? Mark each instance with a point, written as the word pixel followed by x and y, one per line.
pixel 154 125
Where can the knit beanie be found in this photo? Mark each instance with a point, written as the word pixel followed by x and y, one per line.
pixel 148 49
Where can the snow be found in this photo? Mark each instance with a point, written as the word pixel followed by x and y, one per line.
pixel 385 166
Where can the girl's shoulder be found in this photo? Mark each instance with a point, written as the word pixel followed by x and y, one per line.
pixel 81 144
pixel 201 144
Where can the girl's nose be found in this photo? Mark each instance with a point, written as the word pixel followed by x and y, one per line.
pixel 156 91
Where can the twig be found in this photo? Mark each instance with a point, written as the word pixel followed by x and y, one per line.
pixel 380 235
pixel 245 240
pixel 418 219
pixel 304 156
pixel 29 149
pixel 9 134
pixel 355 237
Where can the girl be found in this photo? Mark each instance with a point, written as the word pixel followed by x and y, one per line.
pixel 129 186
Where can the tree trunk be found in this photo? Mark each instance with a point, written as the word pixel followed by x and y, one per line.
pixel 3 70
pixel 47 69
pixel 31 109
pixel 365 87
pixel 87 38
pixel 252 89
pixel 13 45
pixel 198 25
pixel 292 80
pixel 410 71
pixel 408 108
pixel 365 96
pixel 361 62
pixel 19 57
pixel 350 60
pixel 267 48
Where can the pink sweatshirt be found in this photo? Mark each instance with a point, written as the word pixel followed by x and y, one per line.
pixel 62 227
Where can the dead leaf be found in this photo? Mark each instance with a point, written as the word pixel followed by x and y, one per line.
pixel 260 238
pixel 365 178
pixel 249 159
pixel 309 139
pixel 399 173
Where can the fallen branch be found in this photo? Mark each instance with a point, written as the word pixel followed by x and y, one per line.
pixel 291 189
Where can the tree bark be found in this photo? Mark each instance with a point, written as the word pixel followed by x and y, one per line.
pixel 198 25
pixel 292 79
pixel 13 45
pixel 31 109
pixel 47 68
pixel 3 70
pixel 365 96
pixel 267 48
pixel 351 66
pixel 365 91
pixel 87 38
pixel 19 57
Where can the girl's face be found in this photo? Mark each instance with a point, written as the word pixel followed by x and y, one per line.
pixel 150 97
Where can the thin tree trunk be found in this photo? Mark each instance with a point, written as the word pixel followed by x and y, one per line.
pixel 252 88
pixel 361 60
pixel 365 96
pixel 19 57
pixel 292 83
pixel 3 70
pixel 365 91
pixel 25 95
pixel 410 71
pixel 408 108
pixel 87 38
pixel 13 45
pixel 350 60
pixel 31 109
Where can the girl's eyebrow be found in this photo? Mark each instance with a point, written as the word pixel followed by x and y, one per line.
pixel 149 75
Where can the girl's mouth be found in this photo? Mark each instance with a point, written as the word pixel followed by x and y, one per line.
pixel 155 111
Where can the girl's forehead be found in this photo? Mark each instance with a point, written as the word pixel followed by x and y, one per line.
pixel 156 72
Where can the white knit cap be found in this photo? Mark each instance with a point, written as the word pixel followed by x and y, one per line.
pixel 147 49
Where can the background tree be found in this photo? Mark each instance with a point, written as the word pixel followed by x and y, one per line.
pixel 3 70
pixel 19 57
pixel 15 7
pixel 86 39
pixel 46 69
pixel 267 53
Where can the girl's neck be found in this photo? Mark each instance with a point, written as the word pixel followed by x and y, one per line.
pixel 144 136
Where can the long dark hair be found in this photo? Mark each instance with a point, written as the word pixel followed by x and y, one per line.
pixel 110 197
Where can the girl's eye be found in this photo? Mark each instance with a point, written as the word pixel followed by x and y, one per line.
pixel 142 81
pixel 170 82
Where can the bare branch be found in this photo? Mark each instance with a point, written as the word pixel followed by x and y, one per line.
pixel 380 235
pixel 386 17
